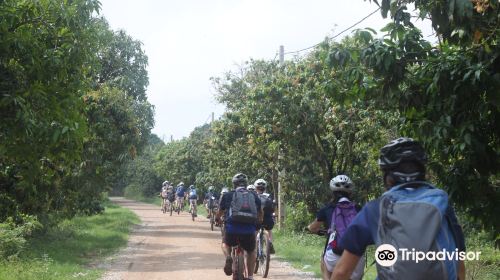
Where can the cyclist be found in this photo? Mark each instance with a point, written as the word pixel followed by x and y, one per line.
pixel 251 188
pixel 412 224
pixel 242 233
pixel 341 187
pixel 268 210
pixel 164 193
pixel 192 196
pixel 179 194
pixel 210 199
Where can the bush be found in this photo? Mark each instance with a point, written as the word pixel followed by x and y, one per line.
pixel 297 217
pixel 13 235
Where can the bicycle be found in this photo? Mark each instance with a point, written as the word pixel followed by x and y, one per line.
pixel 263 253
pixel 165 205
pixel 192 208
pixel 171 207
pixel 211 212
pixel 239 267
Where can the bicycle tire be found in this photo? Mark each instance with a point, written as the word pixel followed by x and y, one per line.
pixel 171 209
pixel 240 267
pixel 258 253
pixel 212 220
pixel 264 266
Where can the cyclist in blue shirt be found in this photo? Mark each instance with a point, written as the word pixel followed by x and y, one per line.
pixel 402 161
pixel 238 232
pixel 179 194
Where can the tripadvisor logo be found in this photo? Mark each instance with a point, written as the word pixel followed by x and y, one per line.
pixel 387 255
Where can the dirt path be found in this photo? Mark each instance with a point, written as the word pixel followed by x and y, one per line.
pixel 164 247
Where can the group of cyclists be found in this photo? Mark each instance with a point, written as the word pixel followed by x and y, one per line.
pixel 175 198
pixel 249 201
pixel 412 213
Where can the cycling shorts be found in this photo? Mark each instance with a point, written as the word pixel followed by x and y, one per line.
pixel 247 241
pixel 267 226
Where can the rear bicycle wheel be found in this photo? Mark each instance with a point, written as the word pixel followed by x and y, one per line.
pixel 239 266
pixel 259 250
pixel 212 219
pixel 265 257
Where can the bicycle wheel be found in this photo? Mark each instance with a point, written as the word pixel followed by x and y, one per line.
pixel 239 266
pixel 171 208
pixel 264 258
pixel 212 220
pixel 259 250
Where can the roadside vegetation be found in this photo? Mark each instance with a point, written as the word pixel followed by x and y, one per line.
pixel 72 249
pixel 76 124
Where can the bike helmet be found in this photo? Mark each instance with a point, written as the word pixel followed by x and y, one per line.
pixel 260 184
pixel 181 184
pixel 400 150
pixel 192 187
pixel 251 188
pixel 211 188
pixel 166 183
pixel 224 190
pixel 240 180
pixel 341 183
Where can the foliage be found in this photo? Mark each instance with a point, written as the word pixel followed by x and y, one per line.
pixel 72 248
pixel 447 94
pixel 13 235
pixel 72 104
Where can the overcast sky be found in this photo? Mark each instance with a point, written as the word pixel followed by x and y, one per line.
pixel 189 41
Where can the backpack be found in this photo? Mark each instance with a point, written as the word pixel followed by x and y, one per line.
pixel 416 219
pixel 171 196
pixel 266 203
pixel 180 191
pixel 243 207
pixel 192 194
pixel 342 216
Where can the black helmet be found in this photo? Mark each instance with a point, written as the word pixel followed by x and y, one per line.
pixel 240 180
pixel 400 150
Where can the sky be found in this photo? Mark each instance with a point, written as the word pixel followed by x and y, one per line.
pixel 189 41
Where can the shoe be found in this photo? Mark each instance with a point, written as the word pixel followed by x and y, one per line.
pixel 271 248
pixel 228 267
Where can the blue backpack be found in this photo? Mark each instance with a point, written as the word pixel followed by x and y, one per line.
pixel 415 218
pixel 180 191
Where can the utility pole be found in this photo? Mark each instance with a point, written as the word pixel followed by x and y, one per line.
pixel 282 55
pixel 281 203
pixel 171 138
pixel 213 116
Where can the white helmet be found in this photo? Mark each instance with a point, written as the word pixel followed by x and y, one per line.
pixel 166 183
pixel 224 190
pixel 341 183
pixel 260 184
pixel 251 188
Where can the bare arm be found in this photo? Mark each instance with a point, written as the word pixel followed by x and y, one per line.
pixel 345 266
pixel 315 226
pixel 461 270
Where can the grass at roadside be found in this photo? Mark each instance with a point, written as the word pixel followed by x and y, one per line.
pixel 303 251
pixel 72 248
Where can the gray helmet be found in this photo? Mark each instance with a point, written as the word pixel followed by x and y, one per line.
pixel 211 188
pixel 260 184
pixel 240 180
pixel 341 183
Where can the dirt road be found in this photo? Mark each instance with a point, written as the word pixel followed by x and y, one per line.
pixel 175 247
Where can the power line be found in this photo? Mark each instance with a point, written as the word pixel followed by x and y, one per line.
pixel 338 34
